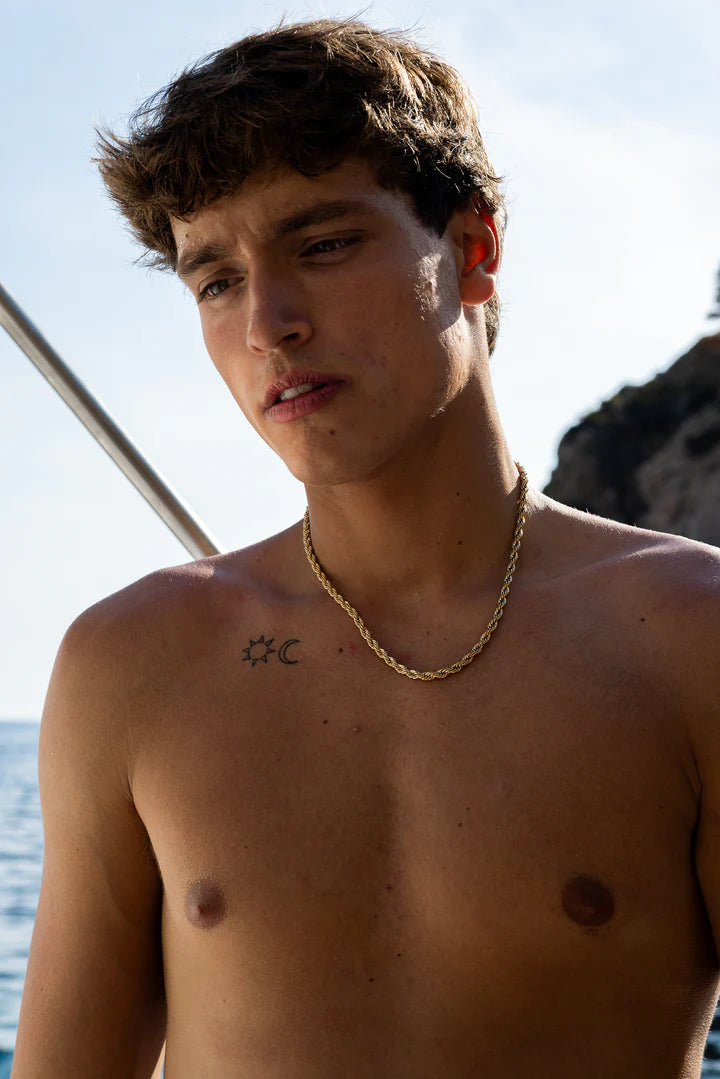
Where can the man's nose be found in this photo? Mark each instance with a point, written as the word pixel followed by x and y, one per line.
pixel 278 316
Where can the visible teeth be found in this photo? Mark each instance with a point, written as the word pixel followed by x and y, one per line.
pixel 295 391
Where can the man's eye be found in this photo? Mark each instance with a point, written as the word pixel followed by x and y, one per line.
pixel 322 247
pixel 216 288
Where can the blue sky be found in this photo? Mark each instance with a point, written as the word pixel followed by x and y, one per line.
pixel 602 117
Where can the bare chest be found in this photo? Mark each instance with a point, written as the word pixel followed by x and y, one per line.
pixel 526 805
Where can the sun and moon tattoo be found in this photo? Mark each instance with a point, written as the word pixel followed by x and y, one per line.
pixel 259 650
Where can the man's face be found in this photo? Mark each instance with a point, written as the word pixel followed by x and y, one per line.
pixel 333 315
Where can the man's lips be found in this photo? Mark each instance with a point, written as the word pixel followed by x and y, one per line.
pixel 298 380
pixel 313 395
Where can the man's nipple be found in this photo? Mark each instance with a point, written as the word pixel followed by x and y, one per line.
pixel 587 901
pixel 205 904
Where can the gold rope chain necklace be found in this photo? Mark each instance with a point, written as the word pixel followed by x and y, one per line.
pixel 454 668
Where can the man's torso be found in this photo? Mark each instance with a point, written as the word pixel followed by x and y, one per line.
pixel 490 875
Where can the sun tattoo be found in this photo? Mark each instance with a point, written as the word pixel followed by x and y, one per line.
pixel 256 656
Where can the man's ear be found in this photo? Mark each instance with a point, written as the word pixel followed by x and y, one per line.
pixel 480 255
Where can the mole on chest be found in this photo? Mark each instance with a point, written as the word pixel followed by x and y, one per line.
pixel 205 904
pixel 587 901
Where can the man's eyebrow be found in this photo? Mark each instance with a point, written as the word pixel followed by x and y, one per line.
pixel 319 213
pixel 195 258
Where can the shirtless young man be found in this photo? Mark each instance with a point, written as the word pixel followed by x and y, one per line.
pixel 263 842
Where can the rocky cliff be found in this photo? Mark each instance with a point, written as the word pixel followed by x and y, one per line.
pixel 650 456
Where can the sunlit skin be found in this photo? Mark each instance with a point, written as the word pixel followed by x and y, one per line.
pixel 392 310
pixel 344 297
pixel 267 847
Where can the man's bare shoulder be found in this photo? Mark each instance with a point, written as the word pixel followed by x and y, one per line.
pixel 125 664
pixel 166 606
pixel 669 566
pixel 659 594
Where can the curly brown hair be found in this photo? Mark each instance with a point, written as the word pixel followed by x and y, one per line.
pixel 305 95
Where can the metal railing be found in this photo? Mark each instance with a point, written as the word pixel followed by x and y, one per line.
pixel 147 480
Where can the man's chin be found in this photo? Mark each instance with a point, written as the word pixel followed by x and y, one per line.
pixel 325 473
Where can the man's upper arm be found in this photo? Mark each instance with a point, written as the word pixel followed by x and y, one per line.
pixel 93 1003
pixel 695 646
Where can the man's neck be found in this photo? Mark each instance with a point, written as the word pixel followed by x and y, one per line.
pixel 431 524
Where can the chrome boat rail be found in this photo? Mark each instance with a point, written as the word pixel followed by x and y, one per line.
pixel 147 480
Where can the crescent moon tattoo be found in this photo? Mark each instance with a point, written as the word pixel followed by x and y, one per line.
pixel 283 650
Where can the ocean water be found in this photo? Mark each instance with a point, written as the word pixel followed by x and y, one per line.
pixel 20 868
